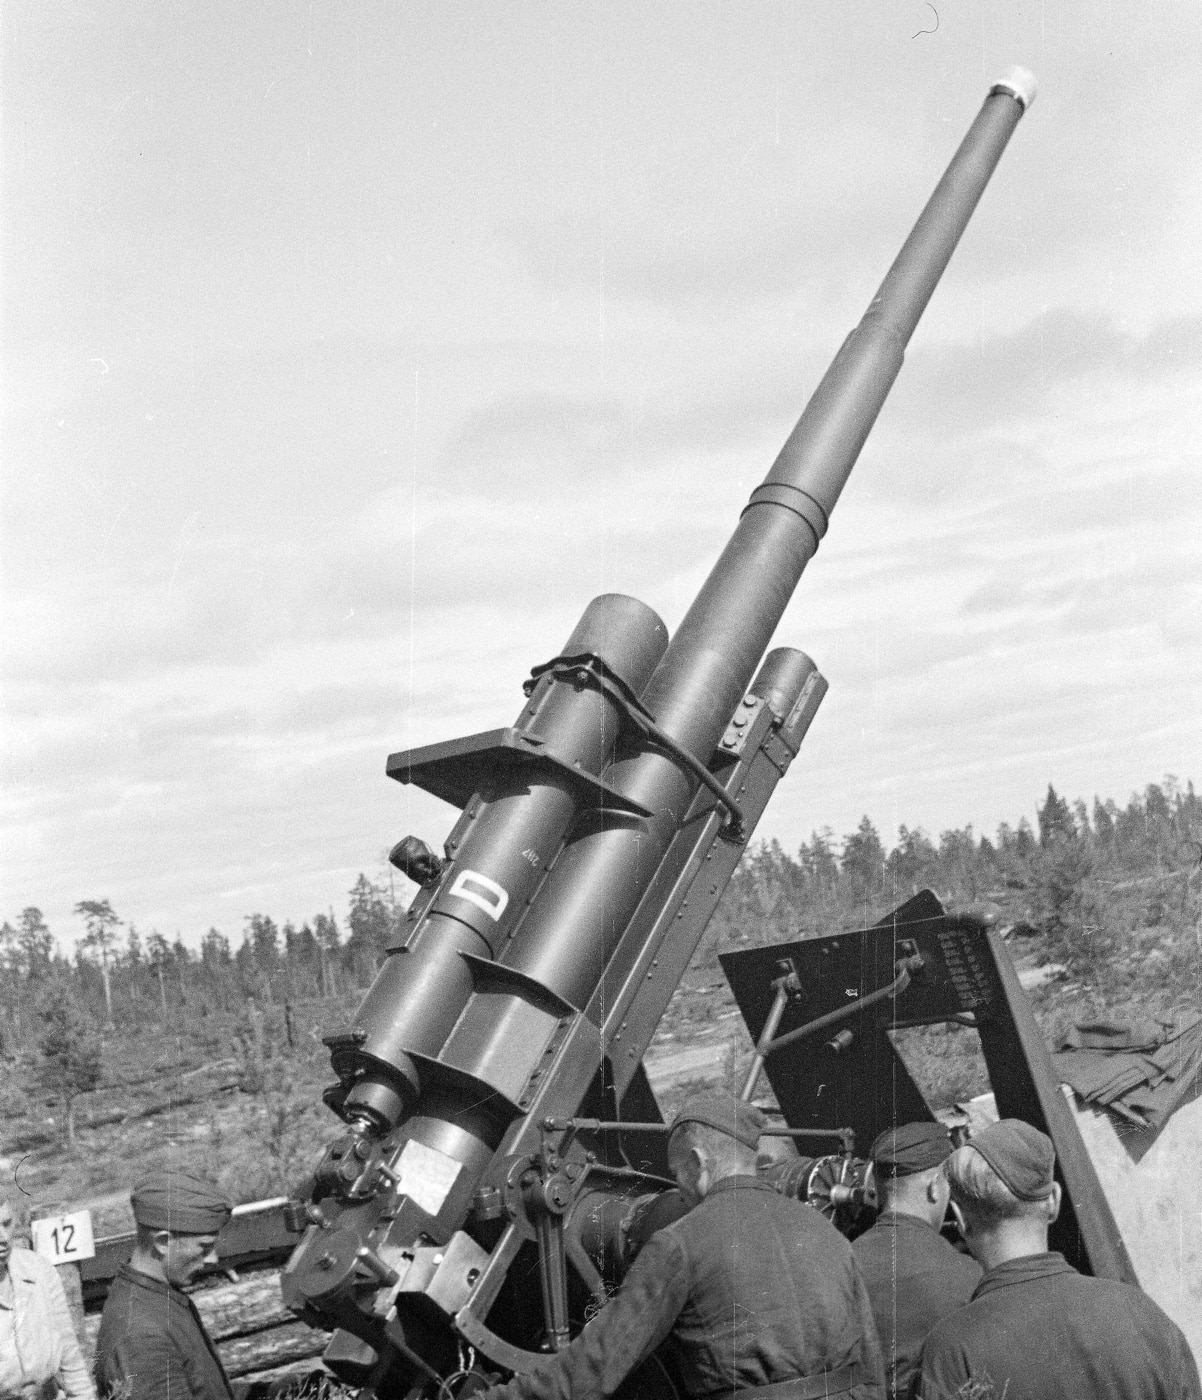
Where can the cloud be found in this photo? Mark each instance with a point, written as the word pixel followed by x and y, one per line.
pixel 392 390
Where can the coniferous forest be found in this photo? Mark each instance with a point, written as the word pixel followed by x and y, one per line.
pixel 132 1050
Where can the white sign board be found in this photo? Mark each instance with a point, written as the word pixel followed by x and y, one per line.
pixel 65 1239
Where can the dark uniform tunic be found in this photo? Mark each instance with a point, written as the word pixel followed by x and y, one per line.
pixel 914 1279
pixel 151 1336
pixel 1038 1330
pixel 757 1291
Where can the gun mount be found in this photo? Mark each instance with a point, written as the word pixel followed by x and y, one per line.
pixel 501 1161
pixel 919 966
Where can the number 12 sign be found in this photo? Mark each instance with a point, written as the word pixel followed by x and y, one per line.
pixel 65 1239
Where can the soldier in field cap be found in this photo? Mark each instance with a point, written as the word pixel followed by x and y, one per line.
pixel 756 1292
pixel 1035 1327
pixel 151 1337
pixel 913 1275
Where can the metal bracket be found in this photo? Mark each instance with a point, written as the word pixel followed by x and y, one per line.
pixel 457 769
pixel 587 672
pixel 907 967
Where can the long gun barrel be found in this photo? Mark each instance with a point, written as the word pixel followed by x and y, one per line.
pixel 596 836
pixel 712 658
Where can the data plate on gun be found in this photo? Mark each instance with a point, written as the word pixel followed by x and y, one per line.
pixel 863 1085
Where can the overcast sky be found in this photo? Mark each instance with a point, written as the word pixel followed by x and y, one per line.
pixel 350 347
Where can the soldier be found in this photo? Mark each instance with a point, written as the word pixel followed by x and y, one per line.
pixel 1036 1327
pixel 758 1292
pixel 151 1337
pixel 913 1275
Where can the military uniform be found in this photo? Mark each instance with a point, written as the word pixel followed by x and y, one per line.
pixel 1037 1329
pixel 914 1279
pixel 152 1344
pixel 152 1338
pixel 913 1276
pixel 758 1294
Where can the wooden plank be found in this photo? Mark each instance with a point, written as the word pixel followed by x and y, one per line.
pixel 269 1348
pixel 236 1309
pixel 292 1342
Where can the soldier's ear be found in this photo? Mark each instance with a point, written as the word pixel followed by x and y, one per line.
pixel 703 1177
pixel 160 1241
pixel 961 1223
pixel 1053 1203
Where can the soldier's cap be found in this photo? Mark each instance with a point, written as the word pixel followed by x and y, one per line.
pixel 1021 1155
pixel 910 1148
pixel 179 1202
pixel 725 1114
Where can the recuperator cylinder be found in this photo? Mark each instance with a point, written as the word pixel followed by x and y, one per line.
pixel 511 834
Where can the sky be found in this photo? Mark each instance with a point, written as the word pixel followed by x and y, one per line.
pixel 350 347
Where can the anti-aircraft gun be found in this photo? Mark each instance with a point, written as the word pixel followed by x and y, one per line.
pixel 500 1162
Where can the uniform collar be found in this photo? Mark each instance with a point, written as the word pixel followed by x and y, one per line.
pixel 159 1286
pixel 900 1219
pixel 739 1183
pixel 1028 1269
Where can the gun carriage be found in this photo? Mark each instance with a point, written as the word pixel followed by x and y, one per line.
pixel 503 1154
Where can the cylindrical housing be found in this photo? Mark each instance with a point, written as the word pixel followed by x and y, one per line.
pixel 517 825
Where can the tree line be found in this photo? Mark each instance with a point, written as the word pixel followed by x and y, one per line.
pixel 117 973
pixel 1081 879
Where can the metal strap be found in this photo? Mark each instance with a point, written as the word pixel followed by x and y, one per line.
pixel 591 671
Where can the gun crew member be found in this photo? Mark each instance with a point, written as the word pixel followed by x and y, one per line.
pixel 39 1352
pixel 1036 1327
pixel 152 1343
pixel 758 1293
pixel 913 1275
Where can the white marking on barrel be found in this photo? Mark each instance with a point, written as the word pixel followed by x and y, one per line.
pixel 490 896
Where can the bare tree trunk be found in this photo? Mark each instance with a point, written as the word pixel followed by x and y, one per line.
pixel 108 990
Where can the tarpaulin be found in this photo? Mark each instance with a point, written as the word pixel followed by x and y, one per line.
pixel 1142 1070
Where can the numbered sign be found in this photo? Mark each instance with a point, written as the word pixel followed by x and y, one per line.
pixel 65 1239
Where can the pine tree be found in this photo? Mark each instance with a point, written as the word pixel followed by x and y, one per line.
pixel 1055 819
pixel 159 952
pixel 36 943
pixel 862 864
pixel 819 868
pixel 71 1063
pixel 102 925
pixel 371 922
pixel 911 863
pixel 958 862
pixel 329 944
pixel 262 941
